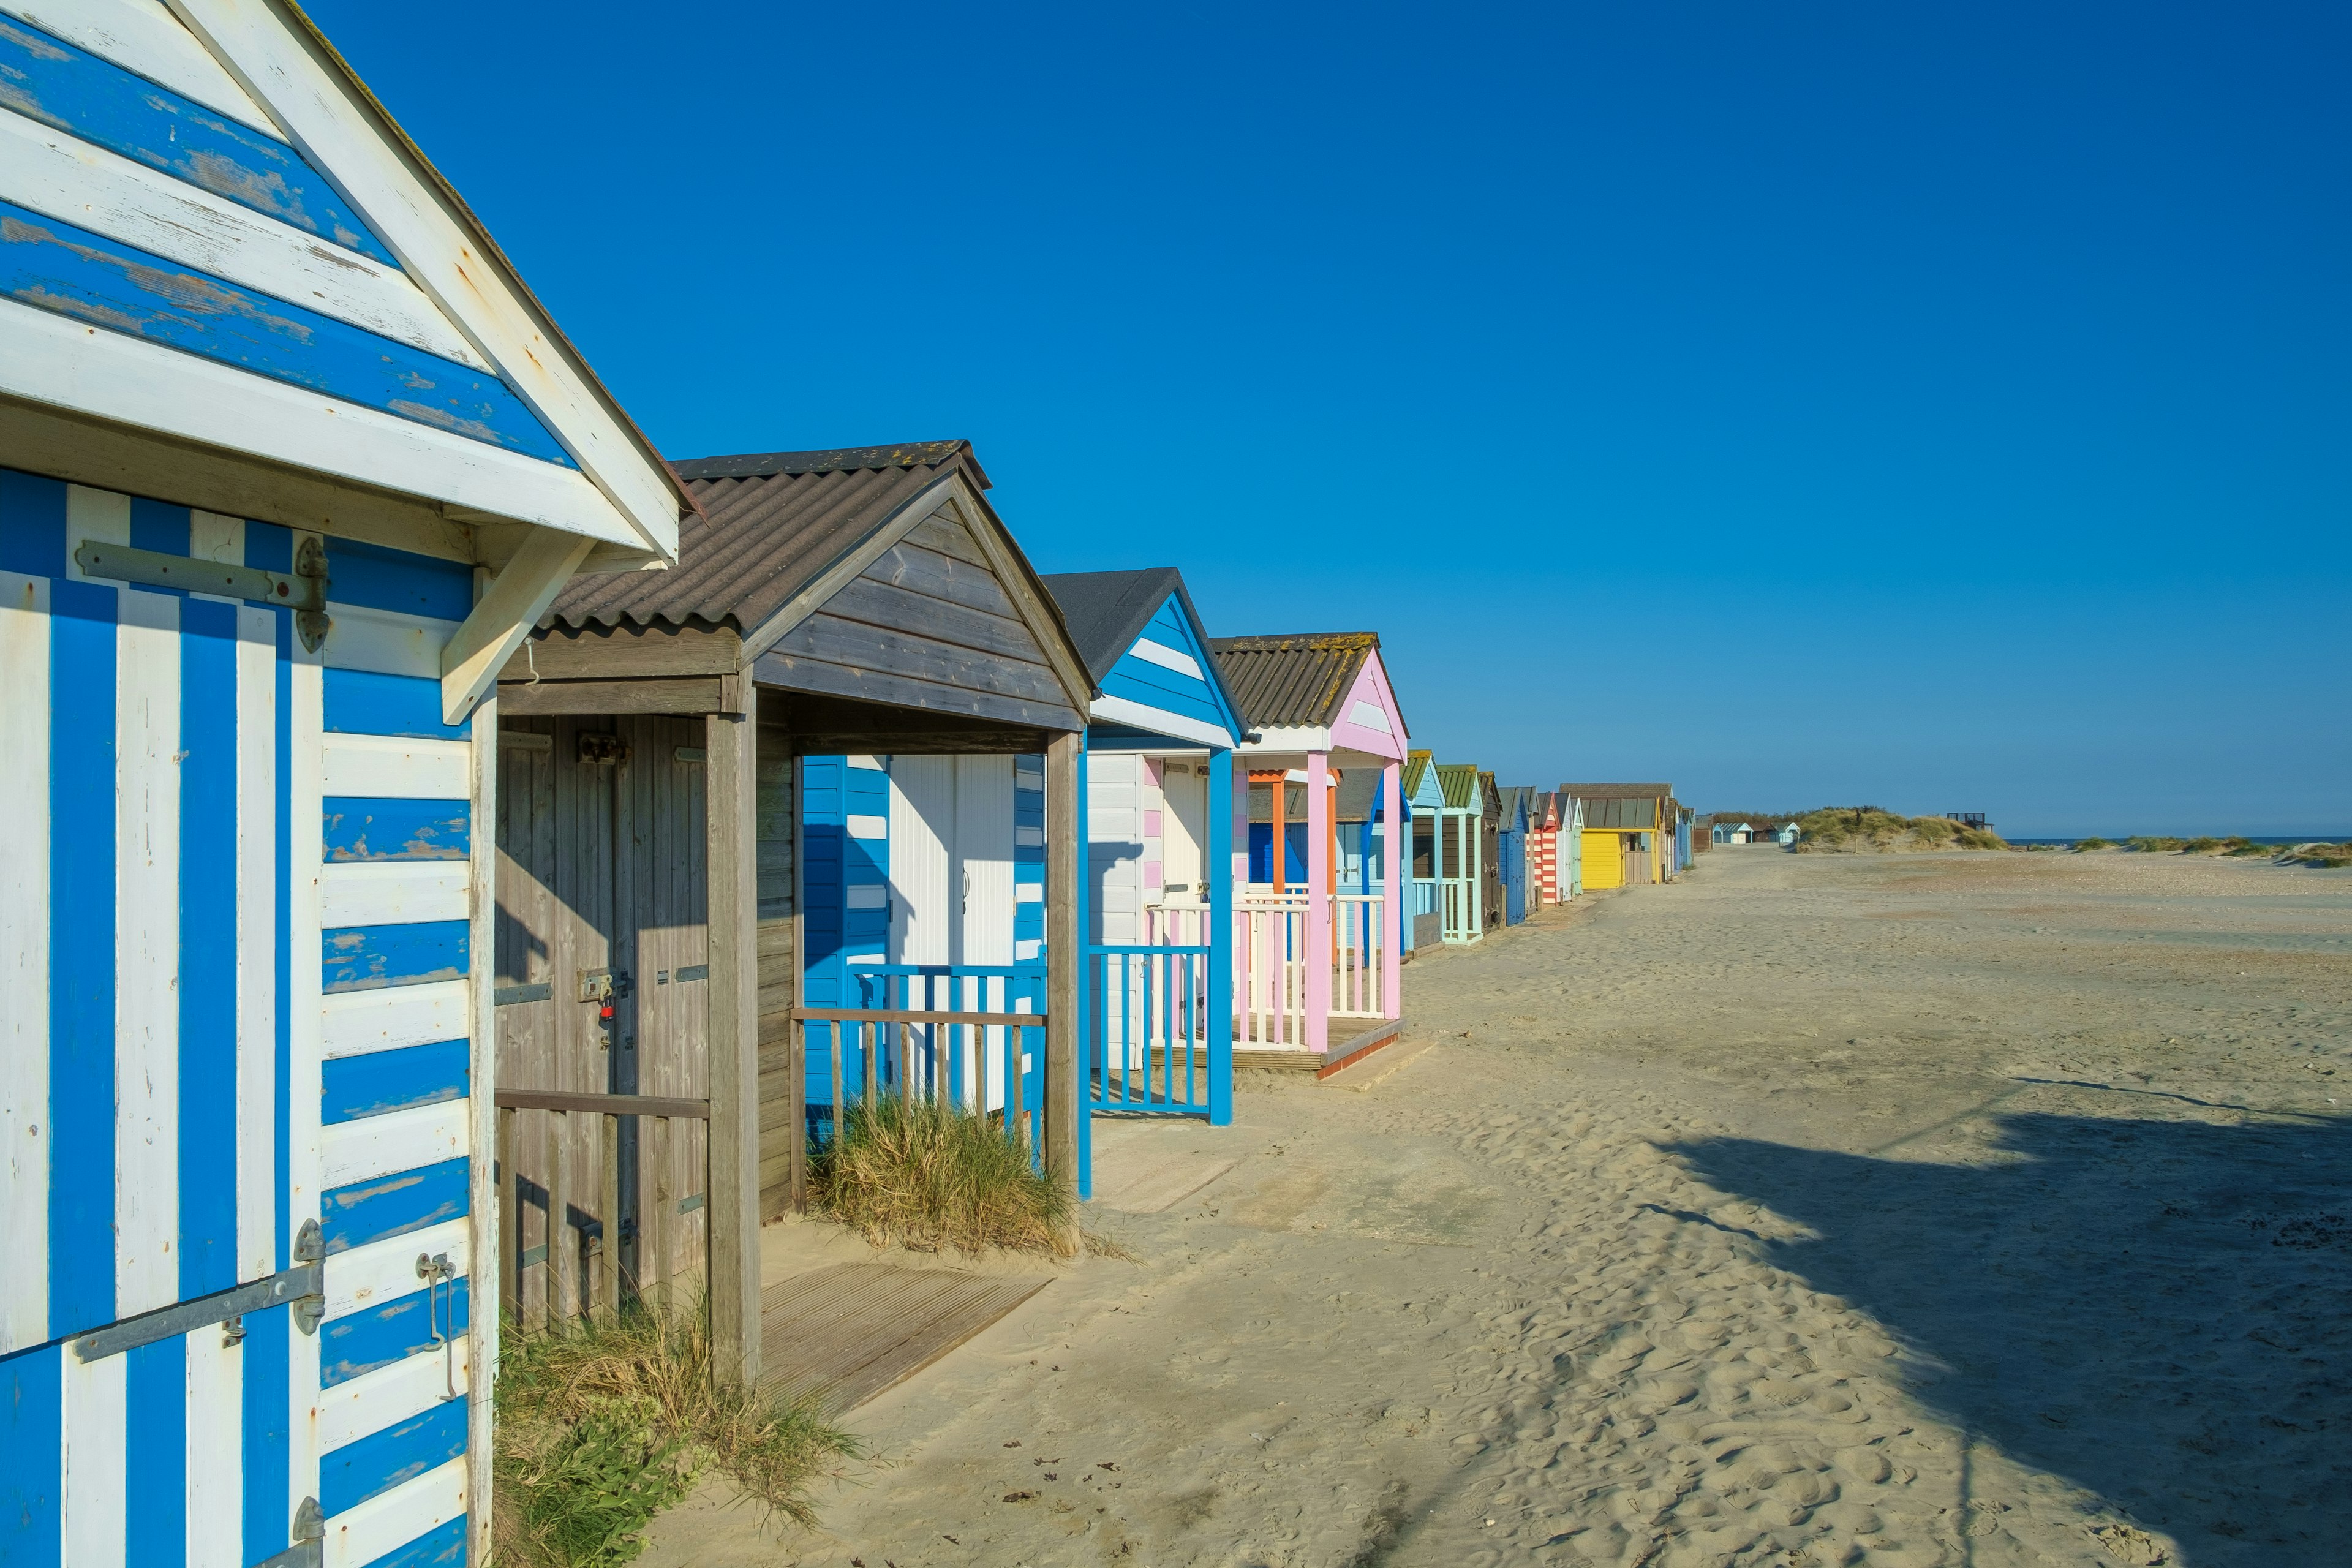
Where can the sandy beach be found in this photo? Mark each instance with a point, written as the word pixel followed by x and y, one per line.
pixel 1975 1208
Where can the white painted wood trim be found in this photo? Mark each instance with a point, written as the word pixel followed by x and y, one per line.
pixel 1281 740
pixel 388 642
pixel 109 375
pixel 503 616
pixel 306 723
pixel 374 1400
pixel 1158 720
pixel 274 58
pixel 257 942
pixel 385 1270
pixel 482 1196
pixel 392 892
pixel 392 768
pixel 1370 716
pixel 397 1141
pixel 356 1023
pixel 213 1453
pixel 1167 657
pixel 865 826
pixel 25 630
pixel 390 1520
pixel 77 183
pixel 146 39
pixel 146 953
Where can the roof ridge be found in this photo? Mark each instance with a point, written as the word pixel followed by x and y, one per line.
pixel 827 459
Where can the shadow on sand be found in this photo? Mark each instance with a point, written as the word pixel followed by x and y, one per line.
pixel 2159 1311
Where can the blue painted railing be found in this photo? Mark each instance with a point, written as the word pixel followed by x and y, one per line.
pixel 1155 1045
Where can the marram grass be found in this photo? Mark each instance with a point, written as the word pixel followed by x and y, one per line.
pixel 922 1174
pixel 601 1425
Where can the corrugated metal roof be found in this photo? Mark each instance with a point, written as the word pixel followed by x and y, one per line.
pixel 1618 791
pixel 1460 783
pixel 772 522
pixel 1300 679
pixel 1625 814
pixel 1416 766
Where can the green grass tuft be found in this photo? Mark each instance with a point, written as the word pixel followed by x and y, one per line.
pixel 601 1425
pixel 923 1174
pixel 1871 828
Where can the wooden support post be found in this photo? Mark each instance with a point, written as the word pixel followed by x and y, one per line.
pixel 732 750
pixel 1065 831
pixel 796 1033
pixel 1315 941
pixel 1395 845
pixel 509 1201
pixel 562 1263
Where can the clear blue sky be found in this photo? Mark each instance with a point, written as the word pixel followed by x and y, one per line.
pixel 1946 408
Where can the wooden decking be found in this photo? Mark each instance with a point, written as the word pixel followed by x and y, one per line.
pixel 847 1332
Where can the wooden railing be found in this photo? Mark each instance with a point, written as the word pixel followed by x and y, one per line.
pixel 1148 1048
pixel 1270 979
pixel 934 1037
pixel 627 1230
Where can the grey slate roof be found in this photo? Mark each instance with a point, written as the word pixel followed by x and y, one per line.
pixel 1624 813
pixel 772 522
pixel 1298 678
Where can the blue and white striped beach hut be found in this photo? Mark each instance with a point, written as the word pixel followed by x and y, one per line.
pixel 289 460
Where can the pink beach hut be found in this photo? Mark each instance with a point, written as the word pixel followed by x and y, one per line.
pixel 1316 966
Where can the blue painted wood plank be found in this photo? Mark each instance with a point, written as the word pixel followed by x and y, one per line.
pixel 52 81
pixel 370 1085
pixel 160 526
pixel 368 702
pixel 365 958
pixel 32 524
pixel 32 1432
pixel 82 833
pixel 380 1462
pixel 57 266
pixel 443 1546
pixel 359 828
pixel 208 889
pixel 393 1206
pixel 268 1501
pixel 378 1336
pixel 399 580
pixel 156 1453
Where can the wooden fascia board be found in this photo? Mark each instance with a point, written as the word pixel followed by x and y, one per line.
pixel 279 59
pixel 846 567
pixel 1019 580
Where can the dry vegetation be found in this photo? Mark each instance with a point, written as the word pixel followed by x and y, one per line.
pixel 922 1174
pixel 603 1424
pixel 1872 829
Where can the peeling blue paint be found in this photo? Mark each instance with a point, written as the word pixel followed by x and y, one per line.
pixel 360 828
pixel 361 958
pixel 393 1206
pixel 88 277
pixel 379 1335
pixel 370 1085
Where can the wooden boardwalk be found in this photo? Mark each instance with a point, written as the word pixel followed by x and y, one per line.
pixel 847 1332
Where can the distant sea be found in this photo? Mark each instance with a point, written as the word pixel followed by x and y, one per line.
pixel 2289 839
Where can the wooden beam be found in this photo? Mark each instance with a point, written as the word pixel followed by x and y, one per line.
pixel 603 1104
pixel 1065 830
pixel 919 742
pixel 677 694
pixel 614 653
pixel 502 617
pixel 733 851
pixel 492 1255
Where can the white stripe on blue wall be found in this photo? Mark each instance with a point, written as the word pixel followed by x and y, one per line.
pixel 387 1018
pixel 396 1141
pixel 384 1523
pixel 395 768
pixel 25 960
pixel 374 1400
pixel 257 939
pixel 214 1455
pixel 96 1431
pixel 384 1271
pixel 147 953
pixel 392 892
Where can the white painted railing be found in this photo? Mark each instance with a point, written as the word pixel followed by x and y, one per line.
pixel 1269 982
pixel 1461 910
pixel 1359 977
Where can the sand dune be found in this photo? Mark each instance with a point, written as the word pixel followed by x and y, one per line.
pixel 1983 1209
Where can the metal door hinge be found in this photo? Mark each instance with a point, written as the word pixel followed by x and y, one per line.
pixel 303 591
pixel 309 1538
pixel 302 1286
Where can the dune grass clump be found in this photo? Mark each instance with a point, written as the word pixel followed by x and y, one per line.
pixel 2083 844
pixel 2148 844
pixel 922 1174
pixel 1875 828
pixel 601 1425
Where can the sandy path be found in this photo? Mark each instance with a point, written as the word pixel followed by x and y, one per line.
pixel 1816 1210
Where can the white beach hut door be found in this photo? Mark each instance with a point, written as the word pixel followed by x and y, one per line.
pixel 923 821
pixel 982 868
pixel 1114 846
